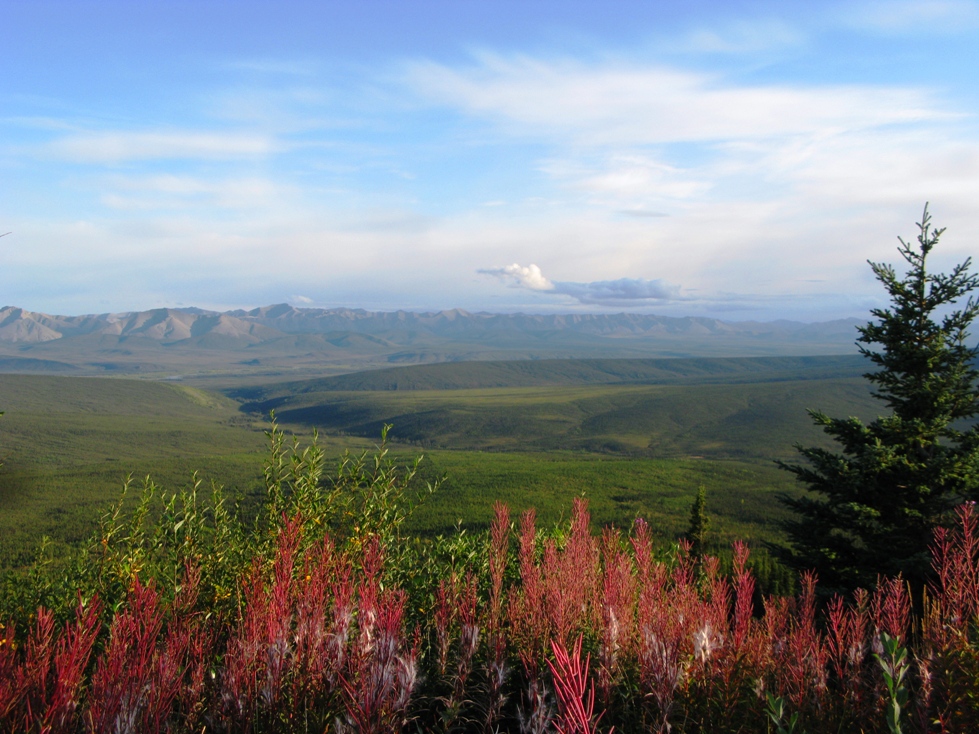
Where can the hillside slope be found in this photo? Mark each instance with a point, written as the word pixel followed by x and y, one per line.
pixel 735 408
pixel 568 372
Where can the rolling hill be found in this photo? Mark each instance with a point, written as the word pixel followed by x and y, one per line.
pixel 721 408
pixel 568 372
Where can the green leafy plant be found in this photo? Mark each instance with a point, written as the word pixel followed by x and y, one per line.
pixel 893 662
pixel 777 710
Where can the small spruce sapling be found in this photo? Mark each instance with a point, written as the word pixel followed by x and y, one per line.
pixel 699 525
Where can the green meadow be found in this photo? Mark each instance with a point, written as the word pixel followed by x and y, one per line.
pixel 619 490
pixel 637 438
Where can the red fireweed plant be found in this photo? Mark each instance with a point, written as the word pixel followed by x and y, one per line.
pixel 575 693
pixel 40 688
pixel 323 604
pixel 529 621
pixel 571 577
pixel 259 650
pixel 948 659
pixel 801 661
pixel 497 670
pixel 382 671
pixel 847 645
pixel 617 607
pixel 666 620
pixel 143 670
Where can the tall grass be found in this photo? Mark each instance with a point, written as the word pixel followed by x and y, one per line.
pixel 322 615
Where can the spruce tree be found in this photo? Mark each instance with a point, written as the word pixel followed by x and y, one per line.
pixel 872 506
pixel 699 524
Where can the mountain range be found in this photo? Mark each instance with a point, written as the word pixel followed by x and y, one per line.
pixel 283 339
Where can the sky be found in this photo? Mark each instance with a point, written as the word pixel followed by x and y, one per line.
pixel 738 160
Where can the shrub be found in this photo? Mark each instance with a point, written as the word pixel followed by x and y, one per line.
pixel 312 617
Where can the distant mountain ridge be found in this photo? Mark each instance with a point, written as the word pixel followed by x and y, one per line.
pixel 270 322
pixel 282 339
pixel 164 324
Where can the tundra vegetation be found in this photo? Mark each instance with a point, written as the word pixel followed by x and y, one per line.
pixel 319 609
pixel 322 614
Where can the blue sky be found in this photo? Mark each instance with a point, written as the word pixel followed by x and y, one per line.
pixel 738 160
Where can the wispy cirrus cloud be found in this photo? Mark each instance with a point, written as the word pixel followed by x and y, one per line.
pixel 914 16
pixel 629 182
pixel 741 37
pixel 742 168
pixel 618 103
pixel 108 147
pixel 169 192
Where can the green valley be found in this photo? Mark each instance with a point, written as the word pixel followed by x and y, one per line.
pixel 637 437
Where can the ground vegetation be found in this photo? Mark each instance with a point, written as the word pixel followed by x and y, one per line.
pixel 322 614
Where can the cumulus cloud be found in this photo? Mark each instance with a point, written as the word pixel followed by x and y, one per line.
pixel 529 277
pixel 635 291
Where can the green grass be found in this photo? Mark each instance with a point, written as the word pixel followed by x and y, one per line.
pixel 661 491
pixel 66 421
pixel 68 444
pixel 759 420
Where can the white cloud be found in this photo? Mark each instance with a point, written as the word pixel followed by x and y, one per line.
pixel 632 104
pixel 529 277
pixel 914 16
pixel 742 37
pixel 752 195
pixel 620 291
pixel 168 191
pixel 790 182
pixel 628 181
pixel 36 122
pixel 121 146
